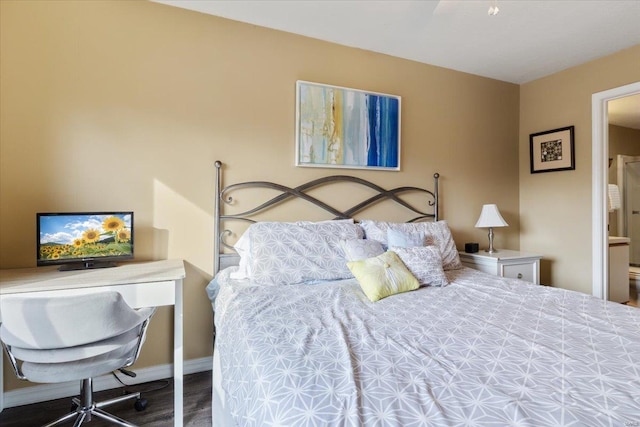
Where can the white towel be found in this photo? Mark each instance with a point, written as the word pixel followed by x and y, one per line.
pixel 614 197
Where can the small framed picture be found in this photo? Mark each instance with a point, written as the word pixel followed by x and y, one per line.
pixel 552 150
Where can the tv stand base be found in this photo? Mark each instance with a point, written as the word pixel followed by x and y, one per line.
pixel 87 265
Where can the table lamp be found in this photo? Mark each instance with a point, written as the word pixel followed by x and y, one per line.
pixel 490 217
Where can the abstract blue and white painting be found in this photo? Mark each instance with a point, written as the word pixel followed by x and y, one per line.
pixel 346 128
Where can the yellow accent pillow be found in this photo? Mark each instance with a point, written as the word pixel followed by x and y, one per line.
pixel 382 276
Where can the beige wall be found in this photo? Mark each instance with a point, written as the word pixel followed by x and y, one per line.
pixel 555 207
pixel 625 141
pixel 126 105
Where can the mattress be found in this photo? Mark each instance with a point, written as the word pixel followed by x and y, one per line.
pixel 482 350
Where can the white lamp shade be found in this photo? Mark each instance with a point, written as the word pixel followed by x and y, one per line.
pixel 490 217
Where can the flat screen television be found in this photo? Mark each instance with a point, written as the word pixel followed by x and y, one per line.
pixel 82 240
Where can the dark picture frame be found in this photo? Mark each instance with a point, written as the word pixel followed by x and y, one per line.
pixel 552 150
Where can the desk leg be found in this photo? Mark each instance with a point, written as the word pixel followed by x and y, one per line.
pixel 1 379
pixel 178 365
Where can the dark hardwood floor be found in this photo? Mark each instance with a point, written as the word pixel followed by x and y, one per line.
pixel 634 296
pixel 159 412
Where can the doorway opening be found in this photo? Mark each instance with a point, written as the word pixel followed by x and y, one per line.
pixel 600 164
pixel 628 175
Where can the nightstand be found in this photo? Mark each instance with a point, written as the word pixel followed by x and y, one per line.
pixel 505 263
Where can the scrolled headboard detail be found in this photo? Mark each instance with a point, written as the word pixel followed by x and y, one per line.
pixel 223 198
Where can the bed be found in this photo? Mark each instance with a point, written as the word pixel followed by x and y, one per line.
pixel 302 341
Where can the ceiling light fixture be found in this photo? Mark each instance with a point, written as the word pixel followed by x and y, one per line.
pixel 493 9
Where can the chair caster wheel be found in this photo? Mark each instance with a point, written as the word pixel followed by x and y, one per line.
pixel 141 404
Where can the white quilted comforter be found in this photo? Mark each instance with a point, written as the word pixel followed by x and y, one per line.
pixel 482 351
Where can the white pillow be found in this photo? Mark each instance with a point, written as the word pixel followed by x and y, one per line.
pixel 288 253
pixel 436 233
pixel 243 248
pixel 424 262
pixel 355 250
pixel 400 239
pixel 243 245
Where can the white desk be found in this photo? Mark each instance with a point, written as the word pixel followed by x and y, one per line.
pixel 145 284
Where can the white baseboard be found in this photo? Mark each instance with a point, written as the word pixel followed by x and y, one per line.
pixel 44 392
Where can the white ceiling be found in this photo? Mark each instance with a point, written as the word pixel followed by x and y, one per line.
pixel 527 40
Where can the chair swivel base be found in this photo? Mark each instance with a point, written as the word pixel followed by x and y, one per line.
pixel 85 408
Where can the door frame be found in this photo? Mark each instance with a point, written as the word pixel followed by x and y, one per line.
pixel 599 181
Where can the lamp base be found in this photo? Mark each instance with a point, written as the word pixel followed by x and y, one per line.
pixel 491 249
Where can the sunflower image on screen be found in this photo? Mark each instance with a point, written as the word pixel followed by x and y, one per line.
pixel 83 236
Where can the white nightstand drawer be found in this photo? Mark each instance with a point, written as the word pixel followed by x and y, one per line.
pixel 505 263
pixel 524 271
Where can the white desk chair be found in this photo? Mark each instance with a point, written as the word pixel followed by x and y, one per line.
pixel 74 338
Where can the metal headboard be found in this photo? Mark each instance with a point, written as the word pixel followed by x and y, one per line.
pixel 223 198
